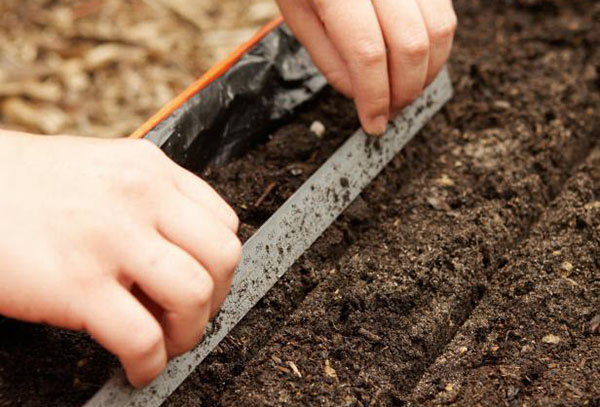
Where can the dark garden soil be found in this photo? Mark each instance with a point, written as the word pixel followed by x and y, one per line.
pixel 467 273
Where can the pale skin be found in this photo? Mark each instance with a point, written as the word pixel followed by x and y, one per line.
pixel 113 238
pixel 381 53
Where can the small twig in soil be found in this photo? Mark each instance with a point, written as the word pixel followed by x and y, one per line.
pixel 370 336
pixel 294 368
pixel 265 194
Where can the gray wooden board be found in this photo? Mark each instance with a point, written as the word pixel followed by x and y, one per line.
pixel 286 235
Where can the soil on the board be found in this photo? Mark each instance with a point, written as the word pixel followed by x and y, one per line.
pixel 467 273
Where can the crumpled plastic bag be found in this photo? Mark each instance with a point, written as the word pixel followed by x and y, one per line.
pixel 239 108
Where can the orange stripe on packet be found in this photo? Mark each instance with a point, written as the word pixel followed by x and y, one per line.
pixel 206 79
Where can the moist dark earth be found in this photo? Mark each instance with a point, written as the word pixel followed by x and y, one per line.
pixel 467 273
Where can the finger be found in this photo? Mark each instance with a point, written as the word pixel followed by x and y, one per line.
pixel 175 281
pixel 212 244
pixel 307 27
pixel 156 310
pixel 408 44
pixel 354 29
pixel 203 194
pixel 441 21
pixel 125 328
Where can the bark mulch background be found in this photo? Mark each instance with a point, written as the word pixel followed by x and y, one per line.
pixel 100 68
pixel 467 273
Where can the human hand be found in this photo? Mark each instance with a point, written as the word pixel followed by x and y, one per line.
pixel 112 237
pixel 382 53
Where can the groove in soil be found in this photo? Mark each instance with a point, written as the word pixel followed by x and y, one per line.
pixel 412 278
pixel 389 285
pixel 532 339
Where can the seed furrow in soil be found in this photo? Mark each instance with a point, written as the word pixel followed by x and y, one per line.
pixel 383 325
pixel 442 233
pixel 316 266
pixel 362 316
pixel 534 338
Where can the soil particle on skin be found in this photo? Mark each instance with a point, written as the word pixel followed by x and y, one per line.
pixel 477 239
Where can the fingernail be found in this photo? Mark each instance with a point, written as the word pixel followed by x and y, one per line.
pixel 379 125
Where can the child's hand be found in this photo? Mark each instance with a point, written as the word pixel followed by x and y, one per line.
pixel 380 52
pixel 114 238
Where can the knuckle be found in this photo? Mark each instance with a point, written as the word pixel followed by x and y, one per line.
pixel 371 53
pixel 146 148
pixel 445 29
pixel 148 157
pixel 135 181
pixel 416 45
pixel 139 167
